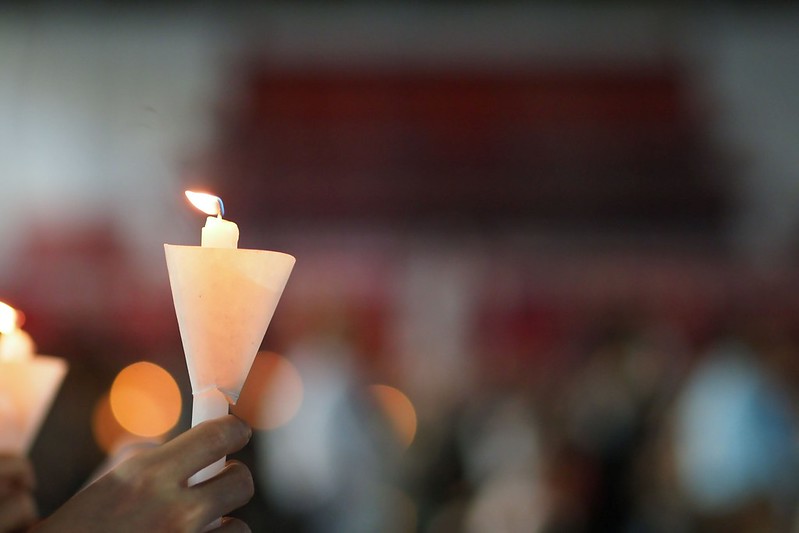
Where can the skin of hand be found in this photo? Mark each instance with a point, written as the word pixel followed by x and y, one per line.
pixel 17 507
pixel 149 492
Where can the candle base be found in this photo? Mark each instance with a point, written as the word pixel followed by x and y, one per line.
pixel 208 405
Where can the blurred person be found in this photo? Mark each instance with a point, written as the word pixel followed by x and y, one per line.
pixel 332 463
pixel 613 403
pixel 150 491
pixel 501 449
pixel 735 432
pixel 17 481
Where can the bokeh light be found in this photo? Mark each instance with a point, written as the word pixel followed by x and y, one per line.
pixel 272 394
pixel 398 409
pixel 145 399
pixel 107 431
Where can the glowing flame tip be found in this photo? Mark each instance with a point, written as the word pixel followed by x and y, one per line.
pixel 207 203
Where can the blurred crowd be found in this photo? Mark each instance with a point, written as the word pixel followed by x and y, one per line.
pixel 635 427
pixel 424 389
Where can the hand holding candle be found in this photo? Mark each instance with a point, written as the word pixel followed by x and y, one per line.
pixel 224 300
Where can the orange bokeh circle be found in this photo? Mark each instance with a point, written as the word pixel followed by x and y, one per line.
pixel 398 409
pixel 273 393
pixel 145 399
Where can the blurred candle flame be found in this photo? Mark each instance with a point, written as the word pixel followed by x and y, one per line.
pixel 9 318
pixel 15 344
pixel 207 203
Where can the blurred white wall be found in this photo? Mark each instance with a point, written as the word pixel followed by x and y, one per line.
pixel 99 106
pixel 747 69
pixel 96 112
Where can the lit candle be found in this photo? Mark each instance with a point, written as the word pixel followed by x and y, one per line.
pixel 15 344
pixel 28 383
pixel 224 299
pixel 218 232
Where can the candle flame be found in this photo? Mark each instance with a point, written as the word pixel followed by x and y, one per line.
pixel 207 203
pixel 15 344
pixel 9 318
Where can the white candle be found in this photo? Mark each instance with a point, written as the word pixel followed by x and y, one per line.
pixel 16 346
pixel 28 384
pixel 218 232
pixel 211 403
pixel 224 299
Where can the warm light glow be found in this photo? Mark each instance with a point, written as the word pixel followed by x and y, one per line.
pixel 15 344
pixel 207 203
pixel 399 411
pixel 272 394
pixel 9 318
pixel 107 431
pixel 145 399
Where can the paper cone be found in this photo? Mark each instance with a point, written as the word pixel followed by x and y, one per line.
pixel 224 300
pixel 27 390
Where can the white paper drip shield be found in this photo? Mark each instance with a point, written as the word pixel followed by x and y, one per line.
pixel 224 300
pixel 27 390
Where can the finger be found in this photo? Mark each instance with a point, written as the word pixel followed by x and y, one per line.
pixel 229 490
pixel 17 512
pixel 232 525
pixel 200 446
pixel 17 471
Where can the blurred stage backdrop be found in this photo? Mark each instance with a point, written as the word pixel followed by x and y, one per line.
pixel 546 267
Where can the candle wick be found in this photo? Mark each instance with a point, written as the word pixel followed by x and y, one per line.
pixel 221 207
